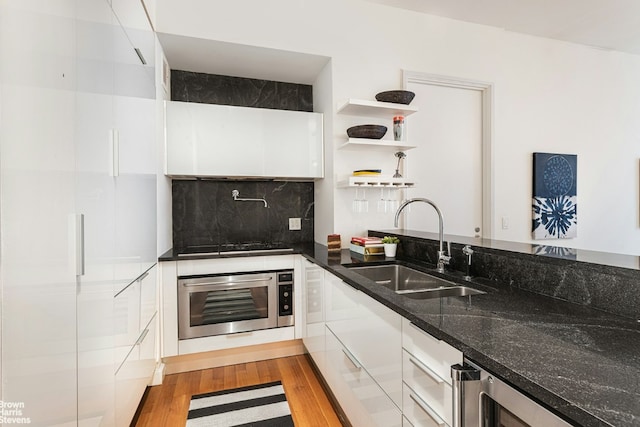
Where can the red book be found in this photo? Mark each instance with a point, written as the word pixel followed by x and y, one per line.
pixel 366 241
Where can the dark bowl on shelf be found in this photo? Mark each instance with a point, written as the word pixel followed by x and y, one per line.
pixel 396 96
pixel 367 131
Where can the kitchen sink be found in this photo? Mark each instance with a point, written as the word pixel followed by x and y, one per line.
pixel 412 283
pixel 456 291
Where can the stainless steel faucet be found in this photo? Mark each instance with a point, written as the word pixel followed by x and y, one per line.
pixel 442 258
pixel 468 252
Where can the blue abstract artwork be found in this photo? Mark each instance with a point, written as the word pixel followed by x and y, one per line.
pixel 555 215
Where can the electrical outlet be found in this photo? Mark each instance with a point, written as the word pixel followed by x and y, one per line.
pixel 295 224
pixel 505 222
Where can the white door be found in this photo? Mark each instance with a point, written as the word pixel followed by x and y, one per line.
pixel 447 163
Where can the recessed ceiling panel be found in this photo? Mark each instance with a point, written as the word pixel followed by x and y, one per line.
pixel 231 59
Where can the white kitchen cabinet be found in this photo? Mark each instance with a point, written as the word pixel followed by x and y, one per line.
pixel 360 397
pixel 426 374
pixel 228 141
pixel 134 374
pixel 432 352
pixel 95 195
pixel 141 47
pixel 370 331
pixel 59 108
pixel 135 187
pixel 133 309
pixel 417 412
pixel 425 393
pixel 313 312
pixel 126 314
pixel 148 296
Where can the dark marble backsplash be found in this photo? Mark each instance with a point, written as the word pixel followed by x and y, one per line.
pixel 189 86
pixel 204 213
pixel 608 288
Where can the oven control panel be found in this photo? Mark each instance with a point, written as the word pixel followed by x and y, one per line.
pixel 285 298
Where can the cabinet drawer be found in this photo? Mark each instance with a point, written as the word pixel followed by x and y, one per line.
pixel 428 386
pixel 133 376
pixel 126 311
pixel 417 411
pixel 436 354
pixel 371 332
pixel 362 399
pixel 148 296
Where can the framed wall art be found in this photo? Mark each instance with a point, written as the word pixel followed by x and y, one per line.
pixel 555 214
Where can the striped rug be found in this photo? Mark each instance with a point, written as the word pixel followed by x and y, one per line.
pixel 262 405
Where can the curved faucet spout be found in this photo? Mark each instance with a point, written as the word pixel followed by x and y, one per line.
pixel 442 258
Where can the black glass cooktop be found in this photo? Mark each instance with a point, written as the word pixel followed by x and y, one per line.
pixel 228 248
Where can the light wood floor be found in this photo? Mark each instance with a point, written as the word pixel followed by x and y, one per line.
pixel 167 404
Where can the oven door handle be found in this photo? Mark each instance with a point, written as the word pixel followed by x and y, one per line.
pixel 226 282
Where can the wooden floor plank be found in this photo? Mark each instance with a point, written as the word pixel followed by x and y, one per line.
pixel 167 404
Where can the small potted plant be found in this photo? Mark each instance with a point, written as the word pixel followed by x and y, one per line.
pixel 390 245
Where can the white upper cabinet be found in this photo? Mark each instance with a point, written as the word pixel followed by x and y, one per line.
pixel 227 141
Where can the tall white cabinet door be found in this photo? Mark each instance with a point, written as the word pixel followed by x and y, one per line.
pixel 95 198
pixel 135 151
pixel 37 77
pixel 135 187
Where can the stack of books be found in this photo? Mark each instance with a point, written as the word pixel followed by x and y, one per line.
pixel 367 245
pixel 367 172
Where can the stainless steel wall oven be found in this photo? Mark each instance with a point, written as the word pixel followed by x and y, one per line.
pixel 234 302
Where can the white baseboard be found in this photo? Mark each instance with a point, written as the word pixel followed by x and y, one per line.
pixel 158 374
pixel 232 356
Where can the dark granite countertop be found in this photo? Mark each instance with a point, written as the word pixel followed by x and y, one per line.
pixel 177 255
pixel 582 363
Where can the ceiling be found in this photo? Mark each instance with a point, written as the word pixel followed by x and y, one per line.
pixel 604 24
pixel 231 59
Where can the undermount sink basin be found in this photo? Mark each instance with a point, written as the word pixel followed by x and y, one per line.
pixel 413 283
pixel 457 291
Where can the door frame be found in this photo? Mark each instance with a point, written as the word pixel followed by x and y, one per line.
pixel 486 91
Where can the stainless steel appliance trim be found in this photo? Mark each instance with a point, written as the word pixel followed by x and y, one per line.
pixel 467 405
pixel 255 251
pixel 466 402
pixel 199 254
pixel 426 409
pixel 229 283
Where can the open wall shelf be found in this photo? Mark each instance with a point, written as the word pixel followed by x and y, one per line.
pixel 375 181
pixel 382 110
pixel 374 144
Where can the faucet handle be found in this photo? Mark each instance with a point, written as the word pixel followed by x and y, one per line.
pixel 467 250
pixel 443 258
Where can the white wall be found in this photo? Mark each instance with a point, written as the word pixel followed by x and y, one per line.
pixel 549 96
